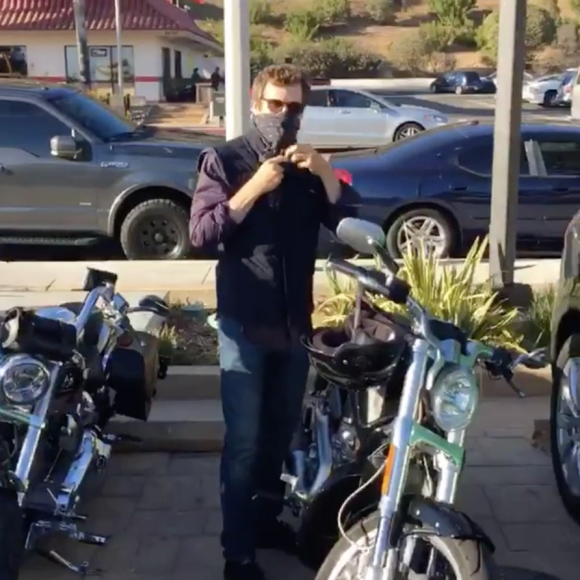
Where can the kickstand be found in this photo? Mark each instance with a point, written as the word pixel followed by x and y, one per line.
pixel 82 569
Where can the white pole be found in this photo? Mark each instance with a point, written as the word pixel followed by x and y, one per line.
pixel 237 66
pixel 119 46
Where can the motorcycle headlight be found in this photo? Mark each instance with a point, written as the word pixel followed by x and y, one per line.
pixel 454 398
pixel 23 379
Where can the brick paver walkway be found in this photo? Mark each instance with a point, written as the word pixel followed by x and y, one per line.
pixel 164 509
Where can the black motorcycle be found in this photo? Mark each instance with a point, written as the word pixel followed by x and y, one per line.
pixel 64 373
pixel 359 370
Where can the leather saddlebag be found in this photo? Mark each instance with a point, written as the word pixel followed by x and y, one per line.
pixel 132 373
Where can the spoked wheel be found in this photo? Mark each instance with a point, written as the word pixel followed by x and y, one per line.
pixel 565 425
pixel 433 558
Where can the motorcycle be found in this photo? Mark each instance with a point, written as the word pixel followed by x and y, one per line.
pixel 412 528
pixel 64 373
pixel 359 370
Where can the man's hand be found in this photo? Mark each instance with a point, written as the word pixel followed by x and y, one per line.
pixel 306 157
pixel 269 175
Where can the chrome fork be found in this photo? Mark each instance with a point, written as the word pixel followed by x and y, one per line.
pixel 384 556
pixel 34 433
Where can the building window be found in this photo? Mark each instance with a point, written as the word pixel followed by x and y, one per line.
pixel 102 63
pixel 13 60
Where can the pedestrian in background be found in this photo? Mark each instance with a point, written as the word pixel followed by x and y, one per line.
pixel 262 198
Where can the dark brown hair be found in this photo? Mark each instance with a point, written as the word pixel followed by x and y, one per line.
pixel 281 75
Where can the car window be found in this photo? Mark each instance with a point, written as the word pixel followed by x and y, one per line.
pixel 471 76
pixel 449 77
pixel 479 159
pixel 561 157
pixel 351 99
pixel 29 127
pixel 317 99
pixel 90 114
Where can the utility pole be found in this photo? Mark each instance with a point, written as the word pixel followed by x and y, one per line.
pixel 237 66
pixel 118 29
pixel 82 45
pixel 507 142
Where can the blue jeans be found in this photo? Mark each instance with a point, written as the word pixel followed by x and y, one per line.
pixel 262 392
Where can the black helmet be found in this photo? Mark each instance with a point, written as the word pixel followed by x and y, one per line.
pixel 358 357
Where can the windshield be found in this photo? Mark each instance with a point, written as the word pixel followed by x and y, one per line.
pixel 91 115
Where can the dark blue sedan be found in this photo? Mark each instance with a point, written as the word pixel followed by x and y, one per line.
pixel 436 187
pixel 462 82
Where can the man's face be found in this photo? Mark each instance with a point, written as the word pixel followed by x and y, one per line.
pixel 275 99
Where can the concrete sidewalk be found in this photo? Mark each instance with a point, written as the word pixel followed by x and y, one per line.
pixel 197 275
pixel 164 510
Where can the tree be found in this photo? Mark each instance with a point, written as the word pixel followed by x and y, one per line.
pixel 552 8
pixel 452 12
pixel 575 5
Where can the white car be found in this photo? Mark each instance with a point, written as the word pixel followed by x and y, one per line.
pixel 493 77
pixel 544 90
pixel 564 97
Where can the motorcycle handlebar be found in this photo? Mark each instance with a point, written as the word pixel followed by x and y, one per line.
pixel 391 287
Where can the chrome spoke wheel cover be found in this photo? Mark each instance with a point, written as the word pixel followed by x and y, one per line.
pixel 422 234
pixel 568 425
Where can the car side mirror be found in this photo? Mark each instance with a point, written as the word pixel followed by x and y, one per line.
pixel 64 147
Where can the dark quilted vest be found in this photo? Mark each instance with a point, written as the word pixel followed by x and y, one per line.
pixel 265 270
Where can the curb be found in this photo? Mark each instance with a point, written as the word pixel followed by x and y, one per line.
pixel 193 383
pixel 186 414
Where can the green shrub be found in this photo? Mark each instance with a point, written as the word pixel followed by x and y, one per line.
pixel 332 58
pixel 302 25
pixel 575 5
pixel 552 8
pixel 437 36
pixel 538 318
pixel 381 11
pixel 412 54
pixel 260 12
pixel 452 12
pixel 332 11
pixel 261 55
pixel 449 293
pixel 540 31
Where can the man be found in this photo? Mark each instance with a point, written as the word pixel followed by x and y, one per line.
pixel 262 198
pixel 216 79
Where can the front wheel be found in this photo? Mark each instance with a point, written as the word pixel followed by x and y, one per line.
pixel 407 130
pixel 457 559
pixel 11 536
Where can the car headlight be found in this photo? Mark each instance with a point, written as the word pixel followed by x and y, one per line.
pixel 436 119
pixel 23 379
pixel 454 398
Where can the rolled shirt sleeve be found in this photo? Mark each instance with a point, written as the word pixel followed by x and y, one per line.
pixel 210 222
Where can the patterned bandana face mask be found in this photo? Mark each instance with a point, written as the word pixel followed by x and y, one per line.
pixel 278 131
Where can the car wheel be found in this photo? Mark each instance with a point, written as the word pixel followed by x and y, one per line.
pixel 407 130
pixel 421 229
pixel 549 97
pixel 458 90
pixel 157 229
pixel 565 426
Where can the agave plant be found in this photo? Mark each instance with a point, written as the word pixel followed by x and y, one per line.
pixel 450 293
pixel 538 318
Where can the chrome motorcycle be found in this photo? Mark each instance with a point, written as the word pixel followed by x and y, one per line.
pixel 414 531
pixel 64 373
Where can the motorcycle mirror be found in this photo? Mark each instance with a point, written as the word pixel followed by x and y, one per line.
pixel 360 235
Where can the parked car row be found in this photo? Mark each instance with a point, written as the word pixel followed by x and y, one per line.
pixel 73 172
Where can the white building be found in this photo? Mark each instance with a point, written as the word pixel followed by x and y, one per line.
pixel 160 42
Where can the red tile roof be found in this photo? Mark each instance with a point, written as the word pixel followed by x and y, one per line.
pixel 36 15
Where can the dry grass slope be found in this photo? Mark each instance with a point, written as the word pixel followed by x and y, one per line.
pixel 365 35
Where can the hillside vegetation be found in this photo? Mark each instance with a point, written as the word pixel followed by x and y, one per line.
pixel 350 38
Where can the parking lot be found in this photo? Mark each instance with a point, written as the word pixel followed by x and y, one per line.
pixel 481 107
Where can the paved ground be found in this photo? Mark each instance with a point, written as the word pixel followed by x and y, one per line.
pixel 473 106
pixel 164 509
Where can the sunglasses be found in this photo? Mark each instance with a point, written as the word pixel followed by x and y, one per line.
pixel 277 106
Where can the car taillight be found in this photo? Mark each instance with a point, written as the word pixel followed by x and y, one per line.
pixel 343 175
